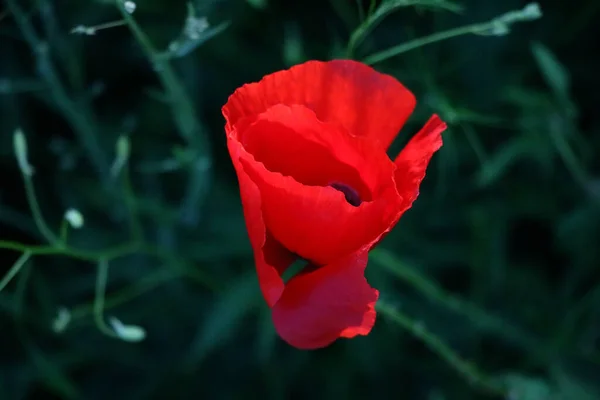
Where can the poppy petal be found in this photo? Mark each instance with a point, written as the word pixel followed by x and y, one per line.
pixel 270 257
pixel 345 93
pixel 413 160
pixel 317 222
pixel 292 141
pixel 332 301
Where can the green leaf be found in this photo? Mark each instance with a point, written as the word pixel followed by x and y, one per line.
pixel 496 165
pixel 224 318
pixel 555 74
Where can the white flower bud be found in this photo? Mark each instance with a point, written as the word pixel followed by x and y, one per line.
pixel 74 218
pixel 129 333
pixel 129 6
pixel 20 148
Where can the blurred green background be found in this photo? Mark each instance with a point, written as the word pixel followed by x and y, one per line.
pixel 490 284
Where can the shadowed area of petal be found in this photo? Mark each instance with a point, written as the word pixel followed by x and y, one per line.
pixel 345 93
pixel 270 257
pixel 332 301
pixel 315 222
pixel 413 160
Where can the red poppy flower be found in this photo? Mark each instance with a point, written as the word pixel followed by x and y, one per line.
pixel 309 148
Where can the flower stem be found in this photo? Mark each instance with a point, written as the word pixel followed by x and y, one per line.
pixel 137 289
pixel 181 106
pixel 78 117
pixel 185 117
pixel 413 44
pixel 36 212
pixel 101 280
pixel 14 270
pixel 437 295
pixel 375 16
pixel 82 255
pixel 498 26
pixel 435 344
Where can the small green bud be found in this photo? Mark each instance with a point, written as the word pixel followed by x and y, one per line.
pixel 61 321
pixel 123 150
pixel 20 149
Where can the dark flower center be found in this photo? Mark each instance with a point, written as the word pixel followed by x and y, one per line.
pixel 350 194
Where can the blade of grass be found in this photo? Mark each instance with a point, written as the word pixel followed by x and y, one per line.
pixel 437 295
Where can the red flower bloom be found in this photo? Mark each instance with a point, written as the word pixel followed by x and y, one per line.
pixel 309 148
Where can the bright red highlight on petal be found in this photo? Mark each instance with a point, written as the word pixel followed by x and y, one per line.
pixel 309 148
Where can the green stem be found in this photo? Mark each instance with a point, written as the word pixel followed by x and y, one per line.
pixel 433 38
pixel 372 6
pixel 139 288
pixel 14 270
pixel 75 115
pixel 183 267
pixel 181 105
pixel 101 280
pixel 185 118
pixel 180 266
pixel 435 294
pixel 36 212
pixel 566 153
pixel 63 50
pixel 373 19
pixel 49 372
pixel 22 86
pixel 63 234
pixel 375 16
pixel 468 370
pixel 361 11
pixel 567 328
pixel 82 255
pixel 135 225
pixel 497 26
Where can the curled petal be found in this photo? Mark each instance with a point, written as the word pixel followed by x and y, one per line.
pixel 413 160
pixel 345 93
pixel 270 257
pixel 308 217
pixel 292 141
pixel 332 301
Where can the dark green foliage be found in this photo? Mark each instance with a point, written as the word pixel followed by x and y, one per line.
pixel 489 284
